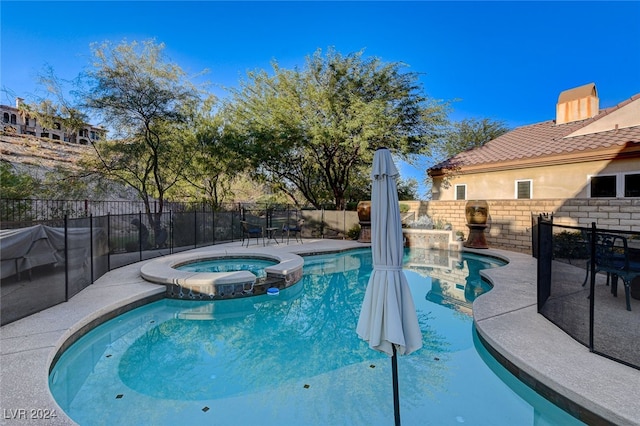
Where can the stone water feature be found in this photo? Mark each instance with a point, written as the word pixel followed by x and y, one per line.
pixel 364 217
pixel 476 214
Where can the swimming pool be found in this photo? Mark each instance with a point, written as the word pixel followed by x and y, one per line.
pixel 295 358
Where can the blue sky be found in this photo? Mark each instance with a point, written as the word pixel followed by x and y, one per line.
pixel 502 60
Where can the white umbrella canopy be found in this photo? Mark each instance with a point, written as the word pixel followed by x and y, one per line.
pixel 388 319
pixel 388 316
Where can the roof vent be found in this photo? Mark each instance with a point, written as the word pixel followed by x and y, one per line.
pixel 576 104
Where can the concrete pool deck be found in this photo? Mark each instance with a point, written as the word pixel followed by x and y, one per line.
pixel 595 389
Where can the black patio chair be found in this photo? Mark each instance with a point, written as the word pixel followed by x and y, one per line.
pixel 250 230
pixel 293 228
pixel 612 257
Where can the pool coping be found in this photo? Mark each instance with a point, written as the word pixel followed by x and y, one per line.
pixel 222 285
pixel 595 389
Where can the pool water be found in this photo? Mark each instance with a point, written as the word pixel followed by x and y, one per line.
pixel 295 358
pixel 229 264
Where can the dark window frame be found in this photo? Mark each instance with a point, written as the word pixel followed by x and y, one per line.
pixel 615 185
pixel 519 190
pixel 603 186
pixel 631 185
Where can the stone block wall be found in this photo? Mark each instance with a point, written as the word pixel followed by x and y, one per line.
pixel 510 220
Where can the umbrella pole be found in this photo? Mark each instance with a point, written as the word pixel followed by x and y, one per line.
pixel 396 397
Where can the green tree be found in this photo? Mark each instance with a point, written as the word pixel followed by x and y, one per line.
pixel 55 110
pixel 463 135
pixel 468 134
pixel 61 113
pixel 213 167
pixel 146 103
pixel 407 189
pixel 314 130
pixel 61 183
pixel 360 189
pixel 15 185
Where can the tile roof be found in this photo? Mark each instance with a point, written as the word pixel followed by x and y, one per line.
pixel 540 141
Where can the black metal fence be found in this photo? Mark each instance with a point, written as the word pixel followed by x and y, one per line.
pixel 588 285
pixel 28 210
pixel 46 262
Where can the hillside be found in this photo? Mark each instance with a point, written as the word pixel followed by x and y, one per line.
pixel 37 156
pixel 40 155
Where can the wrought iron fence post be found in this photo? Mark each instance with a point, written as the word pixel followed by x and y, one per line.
pixel 233 228
pixel 108 241
pixel 267 213
pixel 91 243
pixel 140 233
pixel 213 226
pixel 171 231
pixel 592 283
pixel 66 259
pixel 545 257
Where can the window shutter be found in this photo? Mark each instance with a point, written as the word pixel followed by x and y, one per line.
pixel 524 189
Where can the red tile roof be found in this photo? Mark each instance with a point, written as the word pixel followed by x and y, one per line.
pixel 540 141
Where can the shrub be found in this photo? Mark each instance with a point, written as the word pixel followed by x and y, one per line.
pixel 354 232
pixel 570 245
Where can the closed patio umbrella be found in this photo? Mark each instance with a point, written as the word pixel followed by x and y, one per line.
pixel 388 319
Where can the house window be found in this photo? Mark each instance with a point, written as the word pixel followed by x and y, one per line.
pixel 13 119
pixel 603 186
pixel 461 192
pixel 524 189
pixel 5 117
pixel 632 185
pixel 611 186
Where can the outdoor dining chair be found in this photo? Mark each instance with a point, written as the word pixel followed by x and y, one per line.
pixel 294 229
pixel 613 257
pixel 250 230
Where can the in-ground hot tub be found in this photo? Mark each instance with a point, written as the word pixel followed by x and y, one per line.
pixel 227 283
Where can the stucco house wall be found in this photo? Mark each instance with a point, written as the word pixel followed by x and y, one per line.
pixel 571 180
pixel 582 167
pixel 557 158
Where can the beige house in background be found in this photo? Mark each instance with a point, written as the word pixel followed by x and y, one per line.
pixel 584 153
pixel 16 122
